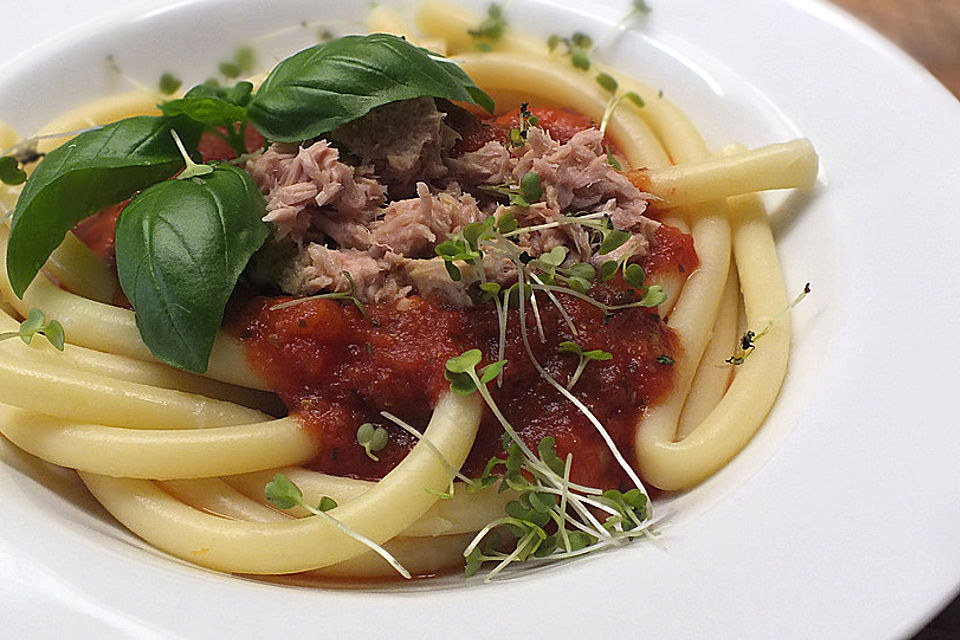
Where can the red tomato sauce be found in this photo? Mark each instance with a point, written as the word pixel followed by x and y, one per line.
pixel 337 369
pixel 562 124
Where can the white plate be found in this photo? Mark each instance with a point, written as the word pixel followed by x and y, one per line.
pixel 840 517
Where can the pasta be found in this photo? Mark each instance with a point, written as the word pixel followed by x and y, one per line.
pixel 182 459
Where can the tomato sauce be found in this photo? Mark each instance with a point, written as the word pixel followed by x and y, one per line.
pixel 337 369
pixel 562 124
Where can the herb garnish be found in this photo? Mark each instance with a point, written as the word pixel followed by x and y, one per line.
pixel 169 84
pixel 215 223
pixel 349 294
pixel 244 60
pixel 577 46
pixel 36 323
pixel 490 29
pixel 329 85
pixel 10 171
pixel 552 518
pixel 568 346
pixel 748 341
pixel 282 493
pixel 372 439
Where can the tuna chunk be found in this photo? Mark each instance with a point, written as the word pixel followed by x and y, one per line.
pixel 317 269
pixel 414 227
pixel 381 220
pixel 403 141
pixel 491 164
pixel 297 181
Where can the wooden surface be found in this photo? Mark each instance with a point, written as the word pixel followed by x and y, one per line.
pixel 929 30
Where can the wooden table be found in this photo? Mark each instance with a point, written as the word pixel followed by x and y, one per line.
pixel 929 30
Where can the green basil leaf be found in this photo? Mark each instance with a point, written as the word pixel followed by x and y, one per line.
pixel 210 111
pixel 239 94
pixel 181 246
pixel 92 171
pixel 331 84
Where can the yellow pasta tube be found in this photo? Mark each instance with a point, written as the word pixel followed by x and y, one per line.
pixel 86 397
pixel 727 429
pixel 80 270
pixel 41 353
pixel 787 165
pixel 462 513
pixel 161 454
pixel 714 375
pixel 307 543
pixel 452 24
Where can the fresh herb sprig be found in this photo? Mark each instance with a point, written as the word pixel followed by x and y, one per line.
pixel 372 439
pixel 283 493
pixel 585 357
pixel 350 294
pixel 577 46
pixel 491 28
pixel 551 518
pixel 748 341
pixel 617 97
pixel 10 171
pixel 36 323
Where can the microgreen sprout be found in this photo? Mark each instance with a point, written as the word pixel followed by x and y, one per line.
pixel 10 171
pixel 114 67
pixel 283 493
pixel 568 346
pixel 192 169
pixel 243 61
pixel 615 101
pixel 551 517
pixel 611 160
pixel 490 29
pixel 577 46
pixel 169 84
pixel 748 341
pixel 472 485
pixel 372 439
pixel 349 294
pixel 518 135
pixel 638 8
pixel 36 323
pixel 607 81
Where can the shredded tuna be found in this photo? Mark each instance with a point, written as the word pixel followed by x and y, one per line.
pixel 403 141
pixel 414 227
pixel 491 164
pixel 381 219
pixel 297 181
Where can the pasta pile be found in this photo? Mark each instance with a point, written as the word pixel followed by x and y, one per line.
pixel 181 460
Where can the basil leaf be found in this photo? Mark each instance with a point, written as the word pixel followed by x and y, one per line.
pixel 92 171
pixel 329 85
pixel 181 246
pixel 239 94
pixel 210 111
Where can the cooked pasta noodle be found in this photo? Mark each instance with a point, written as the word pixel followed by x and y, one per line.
pixel 182 460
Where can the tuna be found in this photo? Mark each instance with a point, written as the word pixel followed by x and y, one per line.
pixel 376 199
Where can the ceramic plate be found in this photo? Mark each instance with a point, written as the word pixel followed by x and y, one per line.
pixel 838 520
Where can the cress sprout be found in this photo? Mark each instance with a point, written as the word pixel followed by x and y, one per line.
pixel 372 439
pixel 283 493
pixel 36 323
